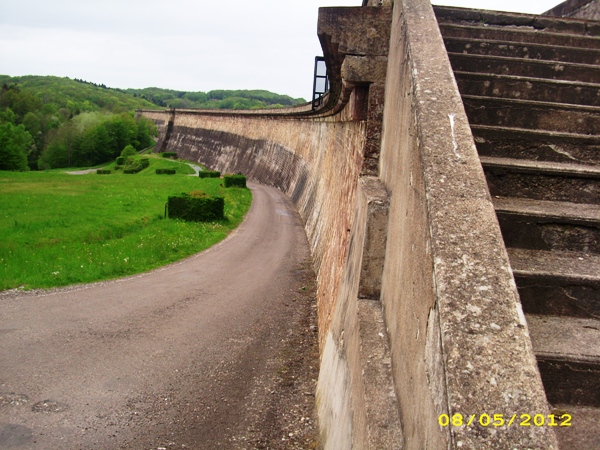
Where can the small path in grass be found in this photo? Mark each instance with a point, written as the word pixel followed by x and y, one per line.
pixel 82 172
pixel 216 351
pixel 196 168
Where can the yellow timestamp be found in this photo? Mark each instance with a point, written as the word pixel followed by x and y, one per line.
pixel 501 420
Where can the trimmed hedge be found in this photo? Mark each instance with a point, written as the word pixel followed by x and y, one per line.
pixel 166 171
pixel 137 166
pixel 196 209
pixel 103 172
pixel 169 155
pixel 235 181
pixel 209 174
pixel 121 160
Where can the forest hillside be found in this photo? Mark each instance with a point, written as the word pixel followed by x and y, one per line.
pixel 50 122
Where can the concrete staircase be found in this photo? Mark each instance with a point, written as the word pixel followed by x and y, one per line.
pixel 531 89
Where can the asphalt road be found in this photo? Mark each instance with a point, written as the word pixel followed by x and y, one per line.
pixel 200 354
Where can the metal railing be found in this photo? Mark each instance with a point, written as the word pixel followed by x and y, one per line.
pixel 320 82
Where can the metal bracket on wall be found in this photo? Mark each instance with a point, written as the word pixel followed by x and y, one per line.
pixel 320 82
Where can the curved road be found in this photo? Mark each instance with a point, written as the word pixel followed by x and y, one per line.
pixel 183 357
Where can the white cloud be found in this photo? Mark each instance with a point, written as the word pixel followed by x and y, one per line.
pixel 180 44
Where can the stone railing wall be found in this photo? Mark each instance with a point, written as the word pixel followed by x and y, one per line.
pixel 459 340
pixel 418 311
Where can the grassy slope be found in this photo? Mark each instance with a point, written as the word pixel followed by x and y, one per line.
pixel 60 229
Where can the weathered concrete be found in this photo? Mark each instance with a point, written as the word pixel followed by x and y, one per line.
pixel 362 411
pixel 580 9
pixel 447 284
pixel 317 162
pixel 416 295
pixel 290 155
pixel 538 143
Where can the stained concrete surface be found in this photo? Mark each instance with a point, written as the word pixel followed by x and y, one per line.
pixel 217 351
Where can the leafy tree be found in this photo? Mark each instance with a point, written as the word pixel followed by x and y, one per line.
pixel 7 116
pixel 21 102
pixel 196 97
pixel 129 151
pixel 59 151
pixel 92 148
pixel 33 125
pixel 76 122
pixel 146 129
pixel 15 145
pixel 122 130
pixel 55 155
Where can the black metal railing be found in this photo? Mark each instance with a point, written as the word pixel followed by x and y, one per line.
pixel 320 82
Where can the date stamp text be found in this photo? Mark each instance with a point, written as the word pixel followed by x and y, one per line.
pixel 501 420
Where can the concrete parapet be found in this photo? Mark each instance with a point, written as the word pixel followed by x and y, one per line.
pixel 459 340
pixel 355 43
pixel 418 310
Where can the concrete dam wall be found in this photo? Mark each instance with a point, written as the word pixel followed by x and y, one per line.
pixel 290 155
pixel 419 314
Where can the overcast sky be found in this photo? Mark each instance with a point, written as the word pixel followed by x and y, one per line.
pixel 191 45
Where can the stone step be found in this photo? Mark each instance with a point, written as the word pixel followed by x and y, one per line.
pixel 557 283
pixel 585 73
pixel 536 23
pixel 526 88
pixel 532 114
pixel 568 354
pixel 571 437
pixel 518 34
pixel 542 180
pixel 521 143
pixel 549 225
pixel 530 86
pixel 524 50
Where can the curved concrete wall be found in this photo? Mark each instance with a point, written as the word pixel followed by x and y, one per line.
pixel 418 310
pixel 315 161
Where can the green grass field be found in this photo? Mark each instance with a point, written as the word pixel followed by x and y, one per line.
pixel 60 229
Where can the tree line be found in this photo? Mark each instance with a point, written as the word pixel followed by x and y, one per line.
pixel 37 135
pixel 51 122
pixel 216 99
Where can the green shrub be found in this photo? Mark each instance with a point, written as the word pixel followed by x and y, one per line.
pixel 196 208
pixel 166 171
pixel 129 151
pixel 121 160
pixel 136 165
pixel 169 155
pixel 209 174
pixel 103 172
pixel 235 180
